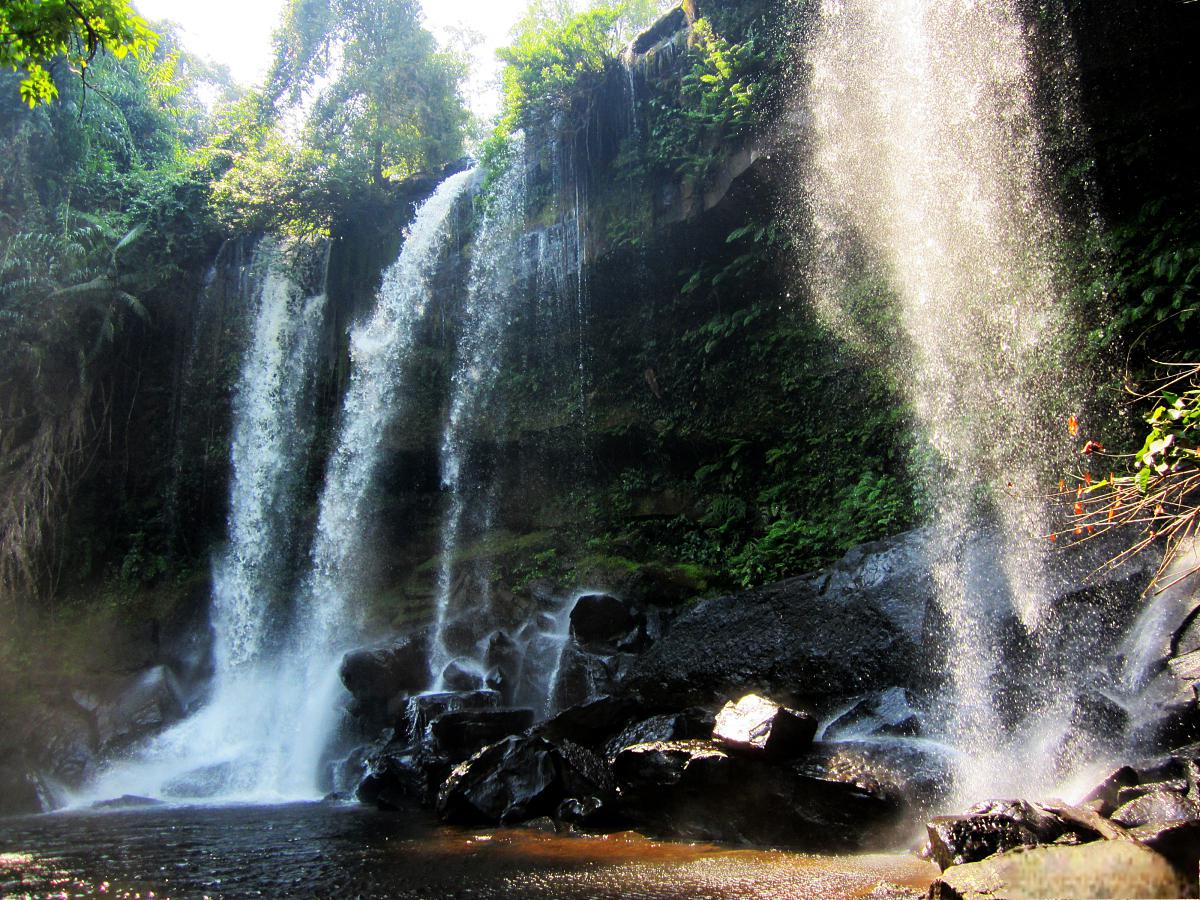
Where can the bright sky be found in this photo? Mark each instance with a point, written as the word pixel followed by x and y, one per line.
pixel 238 34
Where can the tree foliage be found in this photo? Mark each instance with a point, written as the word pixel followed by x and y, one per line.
pixel 35 34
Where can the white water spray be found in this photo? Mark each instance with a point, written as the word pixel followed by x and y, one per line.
pixel 928 153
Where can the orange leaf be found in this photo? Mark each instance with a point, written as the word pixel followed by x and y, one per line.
pixel 1073 426
pixel 1087 477
pixel 1052 538
pixel 1078 530
pixel 1062 486
pixel 1078 508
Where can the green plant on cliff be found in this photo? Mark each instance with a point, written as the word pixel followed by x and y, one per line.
pixel 551 61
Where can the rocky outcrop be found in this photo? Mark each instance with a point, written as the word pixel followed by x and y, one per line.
pixel 1109 869
pixel 380 679
pixel 792 641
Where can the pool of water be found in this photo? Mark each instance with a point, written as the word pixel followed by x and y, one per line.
pixel 320 850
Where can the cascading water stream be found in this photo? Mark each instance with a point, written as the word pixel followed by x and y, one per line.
pixel 928 152
pixel 325 621
pixel 220 751
pixel 273 709
pixel 494 275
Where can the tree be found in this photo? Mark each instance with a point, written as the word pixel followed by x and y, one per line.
pixel 34 34
pixel 390 103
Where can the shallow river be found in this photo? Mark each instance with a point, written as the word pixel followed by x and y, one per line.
pixel 315 850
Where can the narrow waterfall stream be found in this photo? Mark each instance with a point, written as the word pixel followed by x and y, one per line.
pixel 928 151
pixel 496 267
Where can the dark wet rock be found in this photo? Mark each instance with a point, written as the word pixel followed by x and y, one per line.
pixel 604 622
pixel 1178 841
pixel 791 640
pixel 588 814
pixel 1105 796
pixel 424 708
pixel 1156 806
pixel 520 778
pixel 396 777
pixel 891 712
pixel 201 783
pixel 1098 869
pixel 460 675
pixel 757 726
pixel 129 801
pixel 695 790
pixel 989 828
pixel 143 705
pixel 591 724
pixel 503 662
pixel 65 744
pixel 1133 792
pixel 691 724
pixel 917 774
pixel 375 676
pixel 582 675
pixel 458 735
pixel 19 793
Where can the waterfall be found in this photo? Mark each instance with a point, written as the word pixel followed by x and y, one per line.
pixel 496 268
pixel 264 732
pixel 326 623
pixel 928 157
pixel 220 750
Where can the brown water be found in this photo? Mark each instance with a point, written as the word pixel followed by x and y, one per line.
pixel 314 850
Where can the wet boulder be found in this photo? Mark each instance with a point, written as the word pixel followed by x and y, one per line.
pixel 461 675
pixel 915 774
pixel 1098 869
pixel 379 678
pixel 503 663
pixel 696 790
pixel 518 779
pixel 1156 805
pixel 143 705
pixel 591 724
pixel 458 735
pixel 891 712
pixel 757 726
pixel 690 724
pixel 1105 797
pixel 989 828
pixel 1178 841
pixel 604 622
pixel 19 790
pixel 788 640
pixel 396 777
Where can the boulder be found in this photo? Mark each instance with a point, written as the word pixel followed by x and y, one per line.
pixel 604 622
pixel 1156 806
pixel 1178 841
pixel 917 774
pixel 520 778
pixel 142 706
pixel 374 676
pixel 19 790
pixel 881 713
pixel 695 790
pixel 1104 797
pixel 461 675
pixel 791 641
pixel 757 726
pixel 989 828
pixel 423 709
pixel 1098 869
pixel 591 724
pixel 503 663
pixel 458 735
pixel 687 725
pixel 396 777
